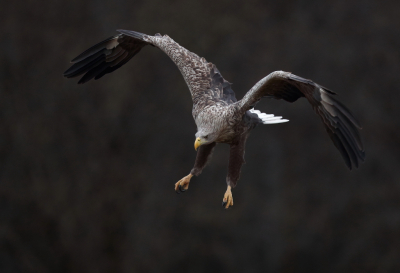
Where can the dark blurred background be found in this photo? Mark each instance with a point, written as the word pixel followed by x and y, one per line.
pixel 87 172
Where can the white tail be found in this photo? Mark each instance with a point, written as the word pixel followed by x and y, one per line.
pixel 268 118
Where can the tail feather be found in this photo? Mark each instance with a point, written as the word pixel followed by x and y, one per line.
pixel 268 118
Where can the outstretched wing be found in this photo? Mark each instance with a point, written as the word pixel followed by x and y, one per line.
pixel 105 57
pixel 338 120
pixel 205 82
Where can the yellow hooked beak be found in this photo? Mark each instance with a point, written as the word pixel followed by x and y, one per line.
pixel 197 143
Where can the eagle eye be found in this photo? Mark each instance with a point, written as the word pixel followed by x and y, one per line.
pixel 205 137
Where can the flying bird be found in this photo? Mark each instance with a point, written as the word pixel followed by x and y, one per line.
pixel 219 116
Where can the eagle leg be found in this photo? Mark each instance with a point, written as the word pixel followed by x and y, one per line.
pixel 183 184
pixel 236 160
pixel 203 155
pixel 228 198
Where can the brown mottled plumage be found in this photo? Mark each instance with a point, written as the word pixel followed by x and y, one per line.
pixel 219 117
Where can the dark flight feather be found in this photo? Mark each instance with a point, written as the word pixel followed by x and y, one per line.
pixel 105 57
pixel 84 64
pixel 93 50
pixel 82 68
pixel 118 51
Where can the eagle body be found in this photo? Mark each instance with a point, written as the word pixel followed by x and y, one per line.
pixel 219 116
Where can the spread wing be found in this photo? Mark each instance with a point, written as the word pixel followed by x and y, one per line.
pixel 105 57
pixel 205 82
pixel 338 120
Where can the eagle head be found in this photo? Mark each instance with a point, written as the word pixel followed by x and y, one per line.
pixel 204 138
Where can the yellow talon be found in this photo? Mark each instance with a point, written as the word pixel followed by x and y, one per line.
pixel 228 198
pixel 183 184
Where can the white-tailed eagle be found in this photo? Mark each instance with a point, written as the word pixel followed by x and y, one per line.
pixel 219 117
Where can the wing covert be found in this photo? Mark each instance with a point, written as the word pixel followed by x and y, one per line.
pixel 204 80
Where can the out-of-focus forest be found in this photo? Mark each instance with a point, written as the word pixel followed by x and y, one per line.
pixel 87 172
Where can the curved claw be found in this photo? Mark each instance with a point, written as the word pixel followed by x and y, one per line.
pixel 224 204
pixel 181 189
pixel 183 184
